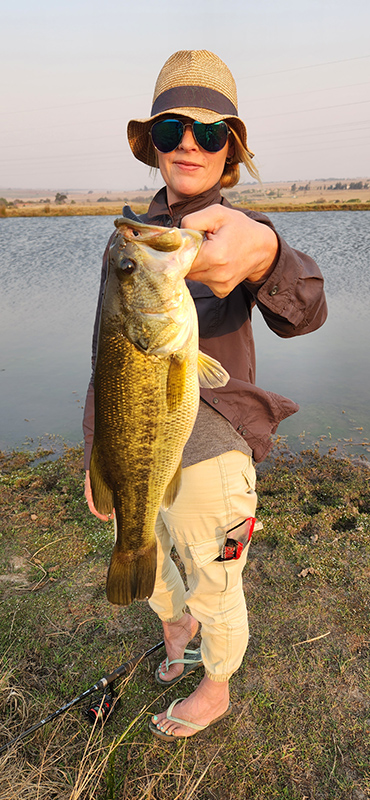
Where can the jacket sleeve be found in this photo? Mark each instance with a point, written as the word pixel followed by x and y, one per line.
pixel 291 299
pixel 88 418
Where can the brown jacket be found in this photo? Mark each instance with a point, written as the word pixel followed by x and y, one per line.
pixel 291 300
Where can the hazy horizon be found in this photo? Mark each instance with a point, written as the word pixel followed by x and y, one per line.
pixel 78 71
pixel 151 188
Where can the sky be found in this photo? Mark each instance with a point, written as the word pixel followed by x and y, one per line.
pixel 74 73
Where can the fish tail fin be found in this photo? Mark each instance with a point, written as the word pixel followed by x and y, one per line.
pixel 131 575
pixel 102 494
pixel 210 372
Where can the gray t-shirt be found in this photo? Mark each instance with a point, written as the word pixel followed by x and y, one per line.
pixel 211 436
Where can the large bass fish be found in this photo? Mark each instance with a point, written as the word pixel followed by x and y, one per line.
pixel 147 376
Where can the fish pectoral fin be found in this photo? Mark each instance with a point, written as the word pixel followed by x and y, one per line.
pixel 102 494
pixel 210 372
pixel 173 488
pixel 175 383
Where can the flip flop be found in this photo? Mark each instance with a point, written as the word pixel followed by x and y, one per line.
pixel 169 737
pixel 191 662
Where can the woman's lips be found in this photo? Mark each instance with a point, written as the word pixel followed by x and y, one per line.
pixel 187 166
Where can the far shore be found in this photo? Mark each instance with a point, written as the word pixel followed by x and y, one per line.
pixel 346 194
pixel 99 209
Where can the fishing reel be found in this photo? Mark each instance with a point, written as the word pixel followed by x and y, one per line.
pixel 103 707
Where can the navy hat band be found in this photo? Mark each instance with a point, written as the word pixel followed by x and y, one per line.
pixel 193 97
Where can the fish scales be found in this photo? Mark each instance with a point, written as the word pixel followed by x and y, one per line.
pixel 146 393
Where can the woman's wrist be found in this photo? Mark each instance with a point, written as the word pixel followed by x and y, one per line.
pixel 268 256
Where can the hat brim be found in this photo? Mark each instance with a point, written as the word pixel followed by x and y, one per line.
pixel 140 141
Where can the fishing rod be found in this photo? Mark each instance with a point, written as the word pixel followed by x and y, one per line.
pixel 102 708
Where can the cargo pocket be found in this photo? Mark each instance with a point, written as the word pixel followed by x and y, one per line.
pixel 234 569
pixel 208 577
pixel 204 553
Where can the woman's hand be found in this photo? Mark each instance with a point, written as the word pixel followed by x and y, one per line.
pixel 90 502
pixel 236 249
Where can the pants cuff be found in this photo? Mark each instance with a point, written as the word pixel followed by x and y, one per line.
pixel 174 618
pixel 217 678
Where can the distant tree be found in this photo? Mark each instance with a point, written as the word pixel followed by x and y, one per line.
pixel 234 195
pixel 60 198
pixel 293 187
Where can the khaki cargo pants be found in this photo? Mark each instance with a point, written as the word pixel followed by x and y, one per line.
pixel 215 495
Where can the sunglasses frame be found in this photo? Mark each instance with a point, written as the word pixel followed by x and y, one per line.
pixel 191 125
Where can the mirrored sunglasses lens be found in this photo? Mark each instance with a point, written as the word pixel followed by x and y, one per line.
pixel 212 137
pixel 167 134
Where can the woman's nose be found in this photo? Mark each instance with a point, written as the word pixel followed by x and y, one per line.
pixel 188 142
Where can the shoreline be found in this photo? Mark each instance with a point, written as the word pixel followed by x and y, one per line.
pixel 95 210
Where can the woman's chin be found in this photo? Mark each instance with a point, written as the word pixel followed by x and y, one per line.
pixel 189 186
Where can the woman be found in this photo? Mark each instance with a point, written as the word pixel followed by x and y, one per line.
pixel 196 138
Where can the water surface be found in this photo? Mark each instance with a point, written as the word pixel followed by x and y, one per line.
pixel 49 276
pixel 327 372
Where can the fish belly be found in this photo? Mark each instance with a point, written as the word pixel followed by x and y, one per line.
pixel 145 408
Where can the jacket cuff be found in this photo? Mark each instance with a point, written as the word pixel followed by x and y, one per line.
pixel 286 290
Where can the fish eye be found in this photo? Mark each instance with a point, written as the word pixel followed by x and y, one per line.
pixel 128 266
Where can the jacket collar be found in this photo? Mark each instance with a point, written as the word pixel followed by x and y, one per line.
pixel 159 213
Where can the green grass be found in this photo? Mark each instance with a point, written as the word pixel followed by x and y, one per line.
pixel 301 710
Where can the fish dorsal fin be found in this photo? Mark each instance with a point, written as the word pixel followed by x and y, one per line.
pixel 173 488
pixel 175 383
pixel 102 494
pixel 210 372
pixel 128 213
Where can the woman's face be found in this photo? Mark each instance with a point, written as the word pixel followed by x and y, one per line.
pixel 189 170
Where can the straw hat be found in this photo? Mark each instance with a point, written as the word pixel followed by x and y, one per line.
pixel 195 84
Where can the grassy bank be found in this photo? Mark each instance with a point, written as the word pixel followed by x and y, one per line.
pixel 301 710
pixel 73 210
pixel 98 209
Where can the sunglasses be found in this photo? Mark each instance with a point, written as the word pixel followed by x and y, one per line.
pixel 168 133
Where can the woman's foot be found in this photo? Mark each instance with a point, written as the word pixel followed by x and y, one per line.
pixel 176 637
pixel 209 701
